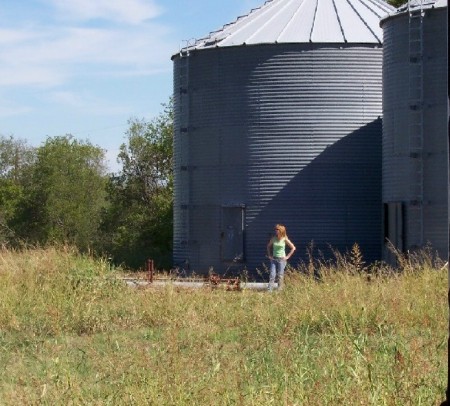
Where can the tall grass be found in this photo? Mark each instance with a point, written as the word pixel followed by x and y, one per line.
pixel 72 333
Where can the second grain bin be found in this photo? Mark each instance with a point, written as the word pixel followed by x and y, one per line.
pixel 277 120
pixel 415 127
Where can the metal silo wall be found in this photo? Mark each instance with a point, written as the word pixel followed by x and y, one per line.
pixel 401 176
pixel 180 227
pixel 291 134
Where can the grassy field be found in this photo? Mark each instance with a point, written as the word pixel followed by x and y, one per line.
pixel 71 333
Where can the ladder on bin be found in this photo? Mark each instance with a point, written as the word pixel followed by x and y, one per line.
pixel 183 149
pixel 416 117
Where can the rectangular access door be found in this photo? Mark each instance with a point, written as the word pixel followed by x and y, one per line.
pixel 232 234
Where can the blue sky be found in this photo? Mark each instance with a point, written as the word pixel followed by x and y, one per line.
pixel 85 67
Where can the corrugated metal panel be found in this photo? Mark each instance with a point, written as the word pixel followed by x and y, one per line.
pixel 401 176
pixel 293 21
pixel 292 134
pixel 181 157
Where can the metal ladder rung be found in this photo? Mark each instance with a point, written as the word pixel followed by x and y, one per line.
pixel 415 126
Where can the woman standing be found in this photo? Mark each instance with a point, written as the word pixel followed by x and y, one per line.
pixel 276 251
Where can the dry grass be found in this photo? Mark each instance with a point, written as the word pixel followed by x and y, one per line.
pixel 71 333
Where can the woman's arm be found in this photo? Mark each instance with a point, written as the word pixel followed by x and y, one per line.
pixel 269 249
pixel 291 246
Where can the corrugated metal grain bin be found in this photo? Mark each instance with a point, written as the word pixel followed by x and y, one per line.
pixel 415 127
pixel 277 120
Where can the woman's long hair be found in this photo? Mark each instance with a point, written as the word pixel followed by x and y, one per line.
pixel 282 230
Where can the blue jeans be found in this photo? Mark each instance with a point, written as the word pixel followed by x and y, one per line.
pixel 277 266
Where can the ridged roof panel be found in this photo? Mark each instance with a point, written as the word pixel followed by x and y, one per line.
pixel 301 21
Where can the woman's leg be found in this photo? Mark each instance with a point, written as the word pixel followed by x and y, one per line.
pixel 281 268
pixel 272 274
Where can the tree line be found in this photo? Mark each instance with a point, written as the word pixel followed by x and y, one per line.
pixel 61 193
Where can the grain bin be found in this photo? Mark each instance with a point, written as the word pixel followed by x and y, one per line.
pixel 415 127
pixel 277 120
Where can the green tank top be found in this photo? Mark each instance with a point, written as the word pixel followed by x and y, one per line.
pixel 279 247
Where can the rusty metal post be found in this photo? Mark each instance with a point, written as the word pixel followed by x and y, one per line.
pixel 150 269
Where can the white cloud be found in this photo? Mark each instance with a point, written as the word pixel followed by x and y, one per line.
pixel 52 49
pixel 10 37
pixel 86 103
pixel 49 56
pixel 59 60
pixel 125 11
pixel 25 76
pixel 9 109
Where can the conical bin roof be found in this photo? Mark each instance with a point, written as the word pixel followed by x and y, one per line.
pixel 303 21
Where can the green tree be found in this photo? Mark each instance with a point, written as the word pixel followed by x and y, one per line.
pixel 397 3
pixel 66 195
pixel 138 223
pixel 16 158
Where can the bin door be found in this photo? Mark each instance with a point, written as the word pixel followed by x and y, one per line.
pixel 232 241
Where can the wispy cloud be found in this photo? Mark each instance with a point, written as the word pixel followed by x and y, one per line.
pixel 9 109
pixel 129 11
pixel 44 54
pixel 11 37
pixel 85 102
